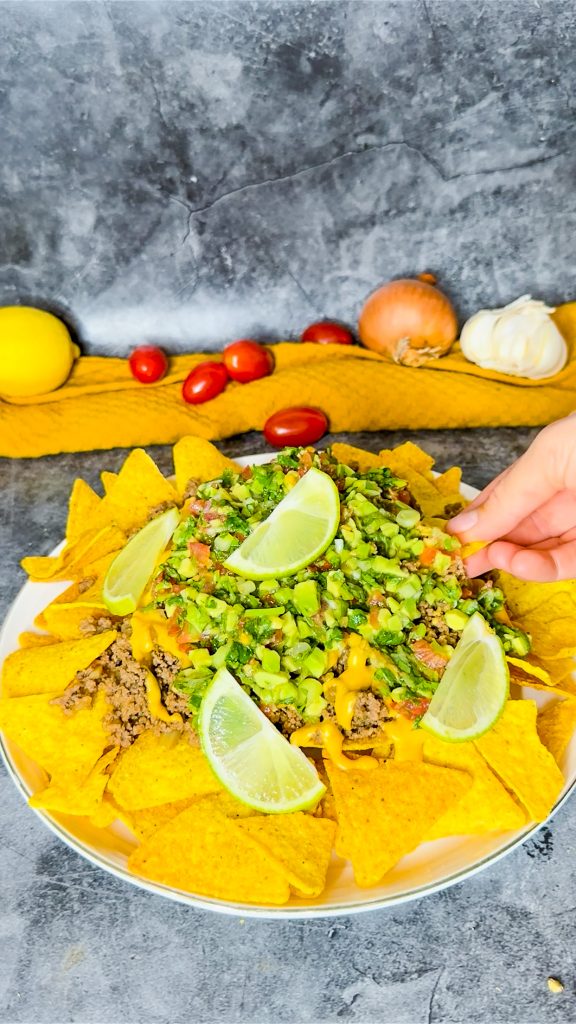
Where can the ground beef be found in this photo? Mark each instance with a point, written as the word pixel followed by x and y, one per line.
pixel 165 667
pixel 433 619
pixel 96 624
pixel 191 489
pixel 86 583
pixel 158 510
pixel 81 692
pixel 285 717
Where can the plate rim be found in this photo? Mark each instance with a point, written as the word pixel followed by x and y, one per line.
pixel 293 912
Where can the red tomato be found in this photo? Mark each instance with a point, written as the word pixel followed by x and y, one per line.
pixel 204 382
pixel 247 360
pixel 148 363
pixel 295 426
pixel 327 332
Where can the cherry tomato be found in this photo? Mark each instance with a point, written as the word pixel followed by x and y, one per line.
pixel 148 363
pixel 204 382
pixel 295 426
pixel 247 360
pixel 327 332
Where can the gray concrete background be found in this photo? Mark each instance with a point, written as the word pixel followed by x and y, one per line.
pixel 193 172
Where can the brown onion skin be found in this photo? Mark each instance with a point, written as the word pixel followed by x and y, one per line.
pixel 408 320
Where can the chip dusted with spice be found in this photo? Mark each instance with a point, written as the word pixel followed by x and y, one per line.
pixel 83 506
pixel 69 564
pixel 386 812
pixel 556 724
pixel 160 769
pixel 139 489
pixel 356 457
pixel 76 794
pixel 300 843
pixel 486 807
pixel 202 851
pixel 515 752
pixel 31 639
pixel 412 464
pixel 197 459
pixel 146 820
pixel 50 668
pixel 67 746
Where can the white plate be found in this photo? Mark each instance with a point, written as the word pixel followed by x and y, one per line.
pixel 433 866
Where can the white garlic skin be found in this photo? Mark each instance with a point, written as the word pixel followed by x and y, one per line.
pixel 519 339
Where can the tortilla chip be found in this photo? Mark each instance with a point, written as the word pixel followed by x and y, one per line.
pixel 31 639
pixel 50 668
pixel 201 851
pixel 356 458
pixel 108 480
pixel 40 568
pixel 65 620
pixel 139 489
pixel 161 769
pixel 85 549
pixel 78 794
pixel 486 807
pixel 523 668
pixel 385 813
pixel 300 844
pixel 105 814
pixel 82 506
pixel 556 724
pixel 515 753
pixel 147 820
pixel 197 459
pixel 448 483
pixel 67 746
pixel 408 456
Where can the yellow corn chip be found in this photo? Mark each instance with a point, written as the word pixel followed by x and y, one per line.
pixel 67 746
pixel 203 852
pixel 87 548
pixel 77 794
pixel 147 820
pixel 108 480
pixel 299 843
pixel 30 639
pixel 408 456
pixel 43 567
pixel 556 724
pixel 160 769
pixel 514 751
pixel 448 483
pixel 50 668
pixel 83 505
pixel 139 489
pixel 526 668
pixel 105 814
pixel 197 459
pixel 356 458
pixel 64 620
pixel 385 813
pixel 486 807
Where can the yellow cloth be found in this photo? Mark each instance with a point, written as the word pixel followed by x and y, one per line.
pixel 102 406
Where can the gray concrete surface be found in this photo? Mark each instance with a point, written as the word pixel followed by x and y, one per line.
pixel 191 172
pixel 78 946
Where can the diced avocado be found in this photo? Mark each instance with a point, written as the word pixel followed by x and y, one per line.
pixel 270 680
pixel 455 619
pixel 316 663
pixel 200 657
pixel 407 518
pixel 269 659
pixel 306 598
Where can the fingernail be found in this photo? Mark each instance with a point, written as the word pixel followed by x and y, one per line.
pixel 464 522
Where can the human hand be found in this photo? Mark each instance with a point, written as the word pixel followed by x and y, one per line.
pixel 527 515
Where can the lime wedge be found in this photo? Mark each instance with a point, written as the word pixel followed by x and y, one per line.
pixel 298 530
pixel 129 573
pixel 248 754
pixel 474 688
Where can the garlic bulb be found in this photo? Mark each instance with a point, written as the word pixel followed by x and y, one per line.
pixel 519 339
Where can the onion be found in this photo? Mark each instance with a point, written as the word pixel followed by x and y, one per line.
pixel 408 320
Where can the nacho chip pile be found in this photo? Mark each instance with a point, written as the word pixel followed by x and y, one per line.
pixel 188 831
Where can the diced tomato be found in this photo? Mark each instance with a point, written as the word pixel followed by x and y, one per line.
pixel 199 552
pixel 427 655
pixel 428 555
pixel 413 708
pixel 376 598
pixel 373 617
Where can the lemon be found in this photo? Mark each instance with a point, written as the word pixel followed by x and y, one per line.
pixel 36 352
pixel 129 573
pixel 474 688
pixel 298 530
pixel 248 754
